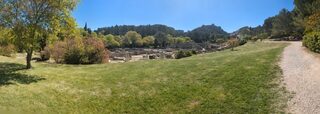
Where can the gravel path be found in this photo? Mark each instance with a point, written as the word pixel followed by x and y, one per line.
pixel 301 71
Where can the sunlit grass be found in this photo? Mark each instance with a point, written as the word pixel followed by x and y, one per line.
pixel 239 81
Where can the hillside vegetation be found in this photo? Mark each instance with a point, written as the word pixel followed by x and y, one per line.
pixel 241 81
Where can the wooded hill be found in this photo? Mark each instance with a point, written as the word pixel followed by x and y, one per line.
pixel 201 34
pixel 303 22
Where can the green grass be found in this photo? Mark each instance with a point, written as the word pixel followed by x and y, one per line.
pixel 242 81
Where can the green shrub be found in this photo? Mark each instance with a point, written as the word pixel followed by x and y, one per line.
pixel 74 51
pixel 184 53
pixel 7 50
pixel 312 41
pixel 80 51
pixel 242 42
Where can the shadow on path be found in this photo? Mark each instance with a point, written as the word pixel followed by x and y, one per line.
pixel 9 75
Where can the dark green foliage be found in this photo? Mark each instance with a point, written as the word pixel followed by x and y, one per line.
pixel 202 34
pixel 248 33
pixel 43 41
pixel 161 40
pixel 282 24
pixel 279 26
pixel 312 41
pixel 207 33
pixel 185 53
pixel 85 27
pixel 242 42
pixel 73 56
pixel 268 25
pixel 74 51
pixel 307 14
pixel 45 54
pixel 306 8
pixel 144 30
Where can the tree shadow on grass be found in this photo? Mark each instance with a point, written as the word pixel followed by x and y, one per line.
pixel 9 75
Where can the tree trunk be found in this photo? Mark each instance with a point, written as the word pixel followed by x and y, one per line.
pixel 29 57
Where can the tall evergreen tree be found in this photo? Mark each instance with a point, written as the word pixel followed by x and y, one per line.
pixel 85 27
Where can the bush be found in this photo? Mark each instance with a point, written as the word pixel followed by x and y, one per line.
pixel 74 51
pixel 58 51
pixel 110 41
pixel 95 51
pixel 312 41
pixel 233 42
pixel 45 54
pixel 80 51
pixel 242 42
pixel 184 54
pixel 7 50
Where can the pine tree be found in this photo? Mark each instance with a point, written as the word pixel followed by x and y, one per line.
pixel 85 27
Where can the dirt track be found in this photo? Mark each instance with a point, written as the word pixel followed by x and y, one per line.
pixel 301 71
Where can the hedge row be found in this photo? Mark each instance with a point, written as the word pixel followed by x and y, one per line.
pixel 312 41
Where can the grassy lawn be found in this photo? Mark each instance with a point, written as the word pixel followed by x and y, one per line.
pixel 242 81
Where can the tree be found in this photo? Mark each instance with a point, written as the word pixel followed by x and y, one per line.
pixel 84 33
pixel 161 39
pixel 313 22
pixel 6 47
pixel 134 39
pixel 282 24
pixel 268 25
pixel 144 30
pixel 262 36
pixel 111 42
pixel 148 41
pixel 207 33
pixel 306 8
pixel 85 27
pixel 30 19
pixel 171 39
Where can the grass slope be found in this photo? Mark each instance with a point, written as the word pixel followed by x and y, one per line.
pixel 241 81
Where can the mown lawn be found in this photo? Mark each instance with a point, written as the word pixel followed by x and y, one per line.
pixel 242 81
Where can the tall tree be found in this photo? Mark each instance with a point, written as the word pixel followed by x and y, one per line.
pixel 282 24
pixel 161 39
pixel 148 41
pixel 134 39
pixel 31 19
pixel 267 26
pixel 307 7
pixel 85 27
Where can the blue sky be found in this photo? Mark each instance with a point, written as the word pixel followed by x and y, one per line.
pixel 180 14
